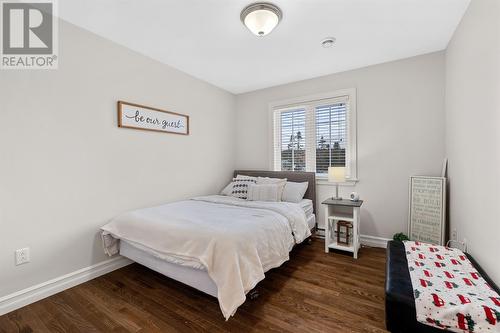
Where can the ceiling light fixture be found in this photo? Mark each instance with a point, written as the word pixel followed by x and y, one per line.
pixel 328 42
pixel 261 18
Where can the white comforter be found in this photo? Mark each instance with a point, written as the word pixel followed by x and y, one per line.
pixel 235 240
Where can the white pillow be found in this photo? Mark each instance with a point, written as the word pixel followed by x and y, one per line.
pixel 294 192
pixel 281 182
pixel 267 180
pixel 227 190
pixel 264 192
pixel 246 177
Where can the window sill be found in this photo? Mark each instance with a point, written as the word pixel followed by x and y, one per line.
pixel 324 182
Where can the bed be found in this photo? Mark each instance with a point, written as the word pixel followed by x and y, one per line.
pixel 219 245
pixel 399 295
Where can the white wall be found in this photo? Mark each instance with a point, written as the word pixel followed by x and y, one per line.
pixel 400 132
pixel 472 132
pixel 66 168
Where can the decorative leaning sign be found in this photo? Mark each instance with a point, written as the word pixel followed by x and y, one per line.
pixel 427 212
pixel 150 119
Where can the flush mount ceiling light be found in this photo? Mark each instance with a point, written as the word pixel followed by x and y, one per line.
pixel 328 42
pixel 261 18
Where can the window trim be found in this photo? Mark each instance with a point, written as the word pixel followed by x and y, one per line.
pixel 351 93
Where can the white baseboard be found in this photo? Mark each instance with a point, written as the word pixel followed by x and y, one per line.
pixel 367 240
pixel 374 241
pixel 35 293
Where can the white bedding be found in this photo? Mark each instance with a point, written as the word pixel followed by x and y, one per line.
pixel 235 240
pixel 311 222
pixel 307 206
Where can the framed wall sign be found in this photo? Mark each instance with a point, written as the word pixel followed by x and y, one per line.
pixel 427 211
pixel 151 119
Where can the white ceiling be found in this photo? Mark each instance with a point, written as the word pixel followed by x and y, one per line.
pixel 206 39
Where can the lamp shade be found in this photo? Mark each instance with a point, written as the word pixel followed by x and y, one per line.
pixel 336 174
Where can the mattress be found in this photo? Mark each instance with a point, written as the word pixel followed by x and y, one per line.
pixel 307 206
pixel 311 221
pixel 195 277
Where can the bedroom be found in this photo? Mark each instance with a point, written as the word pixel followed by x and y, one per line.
pixel 422 78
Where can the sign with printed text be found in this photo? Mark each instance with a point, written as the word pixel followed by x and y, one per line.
pixel 29 34
pixel 427 209
pixel 151 119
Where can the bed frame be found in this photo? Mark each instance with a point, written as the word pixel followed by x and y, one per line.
pixel 199 279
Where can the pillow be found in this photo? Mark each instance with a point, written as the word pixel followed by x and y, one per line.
pixel 264 192
pixel 281 182
pixel 294 192
pixel 240 187
pixel 246 177
pixel 227 190
pixel 267 180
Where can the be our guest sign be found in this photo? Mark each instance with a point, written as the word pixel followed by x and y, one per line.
pixel 150 119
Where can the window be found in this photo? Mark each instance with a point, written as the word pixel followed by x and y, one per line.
pixel 293 145
pixel 331 136
pixel 314 133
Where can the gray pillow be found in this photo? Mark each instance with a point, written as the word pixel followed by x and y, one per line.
pixel 294 192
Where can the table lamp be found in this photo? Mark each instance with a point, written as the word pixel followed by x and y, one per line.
pixel 336 175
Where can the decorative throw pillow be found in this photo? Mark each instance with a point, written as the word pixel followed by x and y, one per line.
pixel 240 187
pixel 294 192
pixel 264 192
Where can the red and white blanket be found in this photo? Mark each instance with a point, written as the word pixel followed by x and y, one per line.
pixel 449 292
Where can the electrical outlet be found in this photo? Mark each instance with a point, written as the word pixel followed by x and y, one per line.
pixel 22 256
pixel 454 235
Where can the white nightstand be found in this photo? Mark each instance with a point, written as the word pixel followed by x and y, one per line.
pixel 342 210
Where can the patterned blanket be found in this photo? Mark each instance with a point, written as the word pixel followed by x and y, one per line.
pixel 449 292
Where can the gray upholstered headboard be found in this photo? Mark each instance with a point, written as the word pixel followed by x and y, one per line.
pixel 293 176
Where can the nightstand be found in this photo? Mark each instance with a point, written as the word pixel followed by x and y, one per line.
pixel 342 210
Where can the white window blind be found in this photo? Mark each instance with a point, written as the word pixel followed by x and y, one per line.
pixel 314 135
pixel 331 136
pixel 293 140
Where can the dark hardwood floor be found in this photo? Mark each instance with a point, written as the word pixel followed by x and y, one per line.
pixel 313 292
